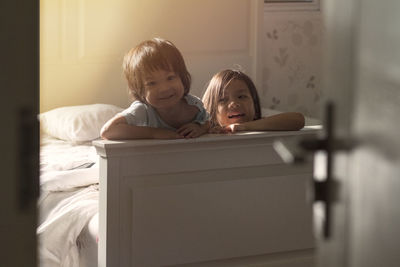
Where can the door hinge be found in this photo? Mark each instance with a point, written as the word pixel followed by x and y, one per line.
pixel 28 158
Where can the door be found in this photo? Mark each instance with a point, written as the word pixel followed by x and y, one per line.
pixel 362 78
pixel 19 143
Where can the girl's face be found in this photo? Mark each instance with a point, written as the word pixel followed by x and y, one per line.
pixel 163 89
pixel 236 104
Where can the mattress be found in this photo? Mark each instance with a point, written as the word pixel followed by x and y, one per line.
pixel 68 204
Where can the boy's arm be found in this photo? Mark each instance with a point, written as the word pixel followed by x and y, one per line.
pixel 118 129
pixel 287 121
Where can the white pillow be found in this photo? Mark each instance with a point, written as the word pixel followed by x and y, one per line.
pixel 77 123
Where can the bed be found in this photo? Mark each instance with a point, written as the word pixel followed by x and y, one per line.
pixel 217 200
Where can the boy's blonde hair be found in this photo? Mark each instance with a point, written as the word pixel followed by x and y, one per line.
pixel 149 56
pixel 215 90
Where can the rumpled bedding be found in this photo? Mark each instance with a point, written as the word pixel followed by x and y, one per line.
pixel 68 201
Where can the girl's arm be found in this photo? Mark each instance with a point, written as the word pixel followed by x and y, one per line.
pixel 287 121
pixel 118 129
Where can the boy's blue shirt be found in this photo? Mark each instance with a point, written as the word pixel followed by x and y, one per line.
pixel 142 114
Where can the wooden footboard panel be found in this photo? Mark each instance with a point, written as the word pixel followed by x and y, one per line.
pixel 207 199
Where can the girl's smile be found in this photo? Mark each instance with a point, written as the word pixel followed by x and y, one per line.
pixel 236 115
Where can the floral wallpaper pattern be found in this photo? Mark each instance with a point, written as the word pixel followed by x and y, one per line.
pixel 292 62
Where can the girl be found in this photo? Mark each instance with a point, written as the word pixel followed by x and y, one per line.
pixel 232 101
pixel 159 83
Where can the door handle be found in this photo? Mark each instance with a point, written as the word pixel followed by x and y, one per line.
pixel 297 150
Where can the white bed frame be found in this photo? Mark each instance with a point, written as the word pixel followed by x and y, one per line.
pixel 218 200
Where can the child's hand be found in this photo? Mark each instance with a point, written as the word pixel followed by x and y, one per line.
pixel 191 130
pixel 219 130
pixel 161 133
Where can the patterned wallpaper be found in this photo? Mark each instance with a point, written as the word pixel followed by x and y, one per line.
pixel 292 64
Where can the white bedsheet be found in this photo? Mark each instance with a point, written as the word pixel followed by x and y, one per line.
pixel 59 155
pixel 58 234
pixel 70 179
pixel 68 201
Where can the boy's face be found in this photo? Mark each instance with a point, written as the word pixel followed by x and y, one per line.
pixel 236 104
pixel 163 89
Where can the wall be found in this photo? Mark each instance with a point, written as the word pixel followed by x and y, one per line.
pixel 83 43
pixel 292 58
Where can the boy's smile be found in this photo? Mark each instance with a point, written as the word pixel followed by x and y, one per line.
pixel 166 97
pixel 236 105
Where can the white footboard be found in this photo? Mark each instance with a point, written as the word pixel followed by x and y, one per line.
pixel 219 199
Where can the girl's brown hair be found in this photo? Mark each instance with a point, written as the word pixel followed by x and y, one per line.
pixel 215 90
pixel 149 56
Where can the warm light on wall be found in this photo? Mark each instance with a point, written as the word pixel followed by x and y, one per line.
pixel 83 43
